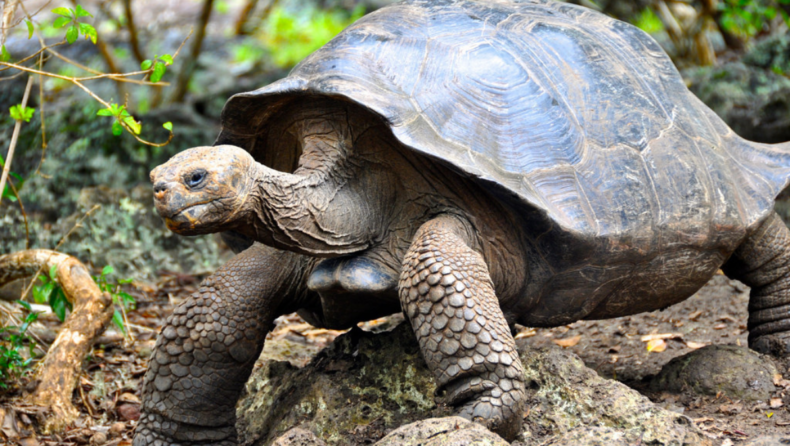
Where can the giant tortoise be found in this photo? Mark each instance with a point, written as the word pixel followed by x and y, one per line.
pixel 475 165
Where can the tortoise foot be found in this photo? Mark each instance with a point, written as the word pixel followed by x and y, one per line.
pixel 155 430
pixel 498 414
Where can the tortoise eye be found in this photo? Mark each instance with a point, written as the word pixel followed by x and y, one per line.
pixel 196 178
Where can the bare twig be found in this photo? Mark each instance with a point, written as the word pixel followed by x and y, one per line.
pixel 21 209
pixel 78 82
pixel 17 127
pixel 241 21
pixel 190 62
pixel 133 42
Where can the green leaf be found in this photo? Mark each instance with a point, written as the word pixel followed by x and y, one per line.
pixel 63 11
pixel 168 126
pixel 58 303
pixel 53 272
pixel 133 125
pixel 107 270
pixel 5 56
pixel 104 112
pixel 81 12
pixel 159 71
pixel 42 293
pixel 60 22
pixel 24 304
pixel 146 64
pixel 166 58
pixel 30 28
pixel 117 128
pixel 117 318
pixel 72 34
pixel 22 114
pixel 89 32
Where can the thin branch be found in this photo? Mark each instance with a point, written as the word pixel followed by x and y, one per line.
pixel 41 111
pixel 133 42
pixel 44 48
pixel 188 67
pixel 22 209
pixel 17 127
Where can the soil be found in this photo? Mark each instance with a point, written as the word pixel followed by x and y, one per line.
pixel 108 396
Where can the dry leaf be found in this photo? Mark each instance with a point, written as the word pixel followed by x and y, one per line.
pixel 695 345
pixel 127 397
pixel 528 333
pixel 656 345
pixel 567 342
pixel 779 381
pixel 776 403
pixel 695 315
pixel 730 409
pixel 657 336
pixel 29 441
pixel 720 326
pixel 727 442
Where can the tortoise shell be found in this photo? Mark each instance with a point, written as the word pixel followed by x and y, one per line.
pixel 553 107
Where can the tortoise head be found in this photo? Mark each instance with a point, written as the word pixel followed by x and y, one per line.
pixel 203 189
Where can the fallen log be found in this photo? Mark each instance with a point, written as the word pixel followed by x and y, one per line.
pixel 92 312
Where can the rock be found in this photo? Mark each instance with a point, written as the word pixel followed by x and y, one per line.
pixel 448 431
pixel 98 438
pixel 355 390
pixel 738 372
pixel 769 440
pixel 771 53
pixel 753 101
pixel 129 412
pixel 298 437
pixel 571 404
pixel 364 385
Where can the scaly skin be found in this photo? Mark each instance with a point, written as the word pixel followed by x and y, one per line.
pixel 208 346
pixel 446 292
pixel 763 263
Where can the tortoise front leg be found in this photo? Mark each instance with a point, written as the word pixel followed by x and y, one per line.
pixel 763 263
pixel 446 292
pixel 206 351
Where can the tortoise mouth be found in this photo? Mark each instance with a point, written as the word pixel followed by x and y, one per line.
pixel 189 218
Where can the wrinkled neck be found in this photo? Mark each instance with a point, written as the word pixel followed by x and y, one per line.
pixel 315 210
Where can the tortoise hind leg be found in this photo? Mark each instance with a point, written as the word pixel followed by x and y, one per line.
pixel 447 294
pixel 763 263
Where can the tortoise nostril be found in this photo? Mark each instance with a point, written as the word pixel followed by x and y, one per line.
pixel 159 190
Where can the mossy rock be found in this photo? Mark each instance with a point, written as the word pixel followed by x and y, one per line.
pixel 735 371
pixel 365 385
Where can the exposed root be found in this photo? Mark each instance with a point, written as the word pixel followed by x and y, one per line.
pixel 92 312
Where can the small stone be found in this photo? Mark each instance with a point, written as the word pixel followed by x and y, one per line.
pixel 117 428
pixel 98 439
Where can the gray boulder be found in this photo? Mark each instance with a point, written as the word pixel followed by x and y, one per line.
pixel 367 387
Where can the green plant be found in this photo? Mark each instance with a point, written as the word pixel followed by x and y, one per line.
pixel 122 300
pixel 290 37
pixel 12 362
pixel 748 17
pixel 8 193
pixel 648 21
pixel 48 291
pixel 71 17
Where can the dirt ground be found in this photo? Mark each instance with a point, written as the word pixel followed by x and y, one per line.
pixel 109 391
